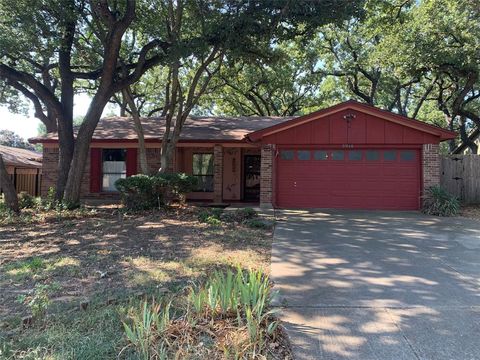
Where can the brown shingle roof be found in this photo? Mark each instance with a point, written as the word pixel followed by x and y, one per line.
pixel 195 129
pixel 20 157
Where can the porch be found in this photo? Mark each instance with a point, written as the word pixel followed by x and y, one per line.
pixel 227 173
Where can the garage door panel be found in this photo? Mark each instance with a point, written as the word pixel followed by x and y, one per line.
pixel 358 181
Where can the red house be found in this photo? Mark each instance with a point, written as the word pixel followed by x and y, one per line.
pixel 350 156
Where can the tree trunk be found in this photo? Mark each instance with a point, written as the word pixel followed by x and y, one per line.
pixel 8 188
pixel 64 161
pixel 142 152
pixel 451 143
pixel 82 148
pixel 166 157
pixel 465 138
pixel 65 120
pixel 66 147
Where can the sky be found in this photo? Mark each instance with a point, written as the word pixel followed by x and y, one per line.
pixel 27 126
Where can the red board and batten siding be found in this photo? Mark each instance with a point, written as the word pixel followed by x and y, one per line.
pixel 363 129
pixel 352 184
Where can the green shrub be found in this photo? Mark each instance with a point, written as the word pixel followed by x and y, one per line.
pixel 143 192
pixel 245 214
pixel 49 201
pixel 217 216
pixel 439 202
pixel 26 201
pixel 258 224
pixel 3 206
pixel 179 183
pixel 211 216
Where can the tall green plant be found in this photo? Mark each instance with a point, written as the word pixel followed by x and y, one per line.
pixel 439 202
pixel 144 327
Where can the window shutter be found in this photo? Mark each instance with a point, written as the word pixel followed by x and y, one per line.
pixel 131 162
pixel 95 170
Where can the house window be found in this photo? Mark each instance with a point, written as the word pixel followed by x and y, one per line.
pixel 203 171
pixel 389 155
pixel 320 155
pixel 354 155
pixel 286 154
pixel 303 155
pixel 372 155
pixel 337 155
pixel 407 155
pixel 114 167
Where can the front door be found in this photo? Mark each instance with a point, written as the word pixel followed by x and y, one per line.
pixel 251 183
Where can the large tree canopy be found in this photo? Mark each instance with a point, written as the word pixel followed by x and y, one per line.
pixel 416 58
pixel 52 49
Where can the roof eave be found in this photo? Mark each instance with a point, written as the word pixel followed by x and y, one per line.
pixel 54 141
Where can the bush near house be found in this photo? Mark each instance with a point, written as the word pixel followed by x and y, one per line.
pixel 439 202
pixel 144 192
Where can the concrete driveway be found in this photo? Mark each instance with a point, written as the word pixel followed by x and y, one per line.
pixel 378 285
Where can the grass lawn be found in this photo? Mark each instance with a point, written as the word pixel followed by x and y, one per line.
pixel 106 256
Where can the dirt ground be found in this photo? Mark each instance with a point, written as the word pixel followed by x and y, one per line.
pixel 470 211
pixel 112 254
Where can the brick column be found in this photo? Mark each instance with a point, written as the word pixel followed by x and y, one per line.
pixel 217 174
pixel 266 176
pixel 430 165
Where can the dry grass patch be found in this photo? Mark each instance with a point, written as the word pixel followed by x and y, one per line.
pixel 47 267
pixel 108 253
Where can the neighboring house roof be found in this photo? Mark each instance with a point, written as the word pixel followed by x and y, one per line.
pixel 355 105
pixel 20 157
pixel 461 147
pixel 219 128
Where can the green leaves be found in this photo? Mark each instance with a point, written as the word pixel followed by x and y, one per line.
pixel 143 192
pixel 439 202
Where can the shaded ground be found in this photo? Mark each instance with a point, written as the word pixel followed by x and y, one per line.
pixel 378 285
pixel 470 211
pixel 113 254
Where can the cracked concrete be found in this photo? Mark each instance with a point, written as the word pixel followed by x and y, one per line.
pixel 378 285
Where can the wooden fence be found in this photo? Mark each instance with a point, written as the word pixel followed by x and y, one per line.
pixel 460 176
pixel 25 180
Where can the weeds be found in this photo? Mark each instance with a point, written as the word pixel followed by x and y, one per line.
pixel 217 217
pixel 36 210
pixel 39 300
pixel 232 309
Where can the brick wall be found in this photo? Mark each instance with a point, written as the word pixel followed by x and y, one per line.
pixel 153 159
pixel 431 165
pixel 50 172
pixel 266 175
pixel 49 169
pixel 217 174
